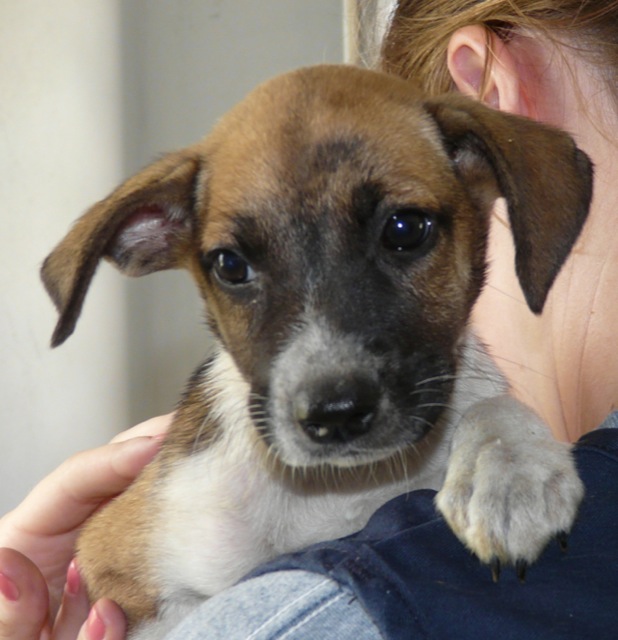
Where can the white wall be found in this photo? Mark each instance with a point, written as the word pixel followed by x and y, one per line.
pixel 60 149
pixel 90 90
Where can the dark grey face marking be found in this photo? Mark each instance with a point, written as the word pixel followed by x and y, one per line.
pixel 334 400
pixel 341 343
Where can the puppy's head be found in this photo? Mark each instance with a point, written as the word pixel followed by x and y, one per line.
pixel 336 224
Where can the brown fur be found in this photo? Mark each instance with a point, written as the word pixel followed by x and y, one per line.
pixel 114 568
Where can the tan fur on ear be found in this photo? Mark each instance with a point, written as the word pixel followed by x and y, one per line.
pixel 143 226
pixel 545 179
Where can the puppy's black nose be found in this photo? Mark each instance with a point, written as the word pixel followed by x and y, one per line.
pixel 339 412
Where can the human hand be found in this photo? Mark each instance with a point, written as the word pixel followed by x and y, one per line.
pixel 25 611
pixel 38 536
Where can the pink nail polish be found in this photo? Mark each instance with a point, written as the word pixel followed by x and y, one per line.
pixel 8 588
pixel 73 579
pixel 95 627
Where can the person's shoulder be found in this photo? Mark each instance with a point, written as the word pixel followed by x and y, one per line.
pixel 603 440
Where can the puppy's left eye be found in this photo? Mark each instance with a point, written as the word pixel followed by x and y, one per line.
pixel 230 268
pixel 407 229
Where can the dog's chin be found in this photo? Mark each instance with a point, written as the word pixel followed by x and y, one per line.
pixel 349 460
pixel 306 455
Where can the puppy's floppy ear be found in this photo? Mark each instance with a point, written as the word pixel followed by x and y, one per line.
pixel 145 225
pixel 545 179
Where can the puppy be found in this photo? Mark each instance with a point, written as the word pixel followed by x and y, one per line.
pixel 336 225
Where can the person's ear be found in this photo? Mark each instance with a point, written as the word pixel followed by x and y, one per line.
pixel 483 67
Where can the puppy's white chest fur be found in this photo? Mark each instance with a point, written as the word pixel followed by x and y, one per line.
pixel 230 507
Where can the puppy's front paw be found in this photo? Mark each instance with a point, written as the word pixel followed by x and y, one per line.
pixel 506 498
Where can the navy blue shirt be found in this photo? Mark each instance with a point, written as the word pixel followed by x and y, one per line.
pixel 416 580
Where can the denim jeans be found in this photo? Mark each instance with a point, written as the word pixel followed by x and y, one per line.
pixel 284 604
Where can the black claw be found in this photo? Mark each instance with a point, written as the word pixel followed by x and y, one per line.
pixel 563 540
pixel 495 567
pixel 521 567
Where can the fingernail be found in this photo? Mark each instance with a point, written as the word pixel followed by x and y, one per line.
pixel 8 588
pixel 95 627
pixel 73 582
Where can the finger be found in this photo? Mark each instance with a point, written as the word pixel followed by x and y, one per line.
pixel 23 598
pixel 74 607
pixel 153 427
pixel 63 500
pixel 105 622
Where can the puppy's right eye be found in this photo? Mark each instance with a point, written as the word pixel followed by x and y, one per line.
pixel 408 230
pixel 230 268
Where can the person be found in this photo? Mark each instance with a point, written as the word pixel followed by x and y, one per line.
pixel 405 575
pixel 555 61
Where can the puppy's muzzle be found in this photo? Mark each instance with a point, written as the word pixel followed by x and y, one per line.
pixel 331 402
pixel 337 412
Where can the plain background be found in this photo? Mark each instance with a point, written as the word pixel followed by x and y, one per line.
pixel 90 91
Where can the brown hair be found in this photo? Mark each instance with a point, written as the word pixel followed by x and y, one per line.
pixel 416 41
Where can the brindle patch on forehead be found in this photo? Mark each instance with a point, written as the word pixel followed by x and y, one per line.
pixel 308 125
pixel 328 155
pixel 302 184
